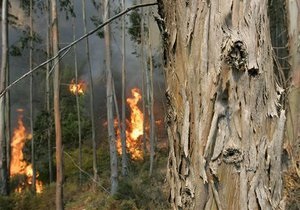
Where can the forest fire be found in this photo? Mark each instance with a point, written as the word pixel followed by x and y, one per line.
pixel 134 128
pixel 19 166
pixel 79 88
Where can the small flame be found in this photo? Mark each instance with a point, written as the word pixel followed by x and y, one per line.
pixel 79 88
pixel 18 165
pixel 134 128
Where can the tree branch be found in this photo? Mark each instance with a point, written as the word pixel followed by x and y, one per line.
pixel 74 43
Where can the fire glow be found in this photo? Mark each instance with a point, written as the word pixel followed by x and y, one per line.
pixel 134 128
pixel 18 166
pixel 77 88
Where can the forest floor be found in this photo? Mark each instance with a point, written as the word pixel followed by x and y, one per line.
pixel 136 191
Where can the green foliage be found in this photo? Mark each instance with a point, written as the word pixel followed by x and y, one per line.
pixel 98 21
pixel 68 7
pixel 22 43
pixel 135 26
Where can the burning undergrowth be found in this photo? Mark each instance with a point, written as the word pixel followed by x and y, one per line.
pixel 19 168
pixel 134 127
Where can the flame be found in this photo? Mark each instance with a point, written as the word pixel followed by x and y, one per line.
pixel 134 128
pixel 79 88
pixel 18 165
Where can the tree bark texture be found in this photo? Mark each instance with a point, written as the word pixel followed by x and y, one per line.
pixel 4 59
pixel 57 117
pixel 225 122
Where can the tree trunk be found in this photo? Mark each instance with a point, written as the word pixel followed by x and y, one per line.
pixel 293 122
pixel 225 123
pixel 123 124
pixel 31 96
pixel 49 49
pixel 56 80
pixel 3 158
pixel 150 101
pixel 143 66
pixel 77 101
pixel 109 104
pixel 95 171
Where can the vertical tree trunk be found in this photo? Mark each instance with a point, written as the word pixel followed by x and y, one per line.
pixel 49 49
pixel 77 101
pixel 59 152
pixel 225 123
pixel 109 95
pixel 7 116
pixel 95 171
pixel 123 124
pixel 144 69
pixel 293 123
pixel 151 102
pixel 3 159
pixel 31 96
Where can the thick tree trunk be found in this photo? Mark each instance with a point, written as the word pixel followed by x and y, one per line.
pixel 95 170
pixel 3 158
pixel 225 124
pixel 110 104
pixel 58 138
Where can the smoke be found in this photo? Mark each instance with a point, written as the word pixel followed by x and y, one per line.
pixel 20 65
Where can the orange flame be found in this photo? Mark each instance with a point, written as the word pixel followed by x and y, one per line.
pixel 79 88
pixel 134 128
pixel 18 165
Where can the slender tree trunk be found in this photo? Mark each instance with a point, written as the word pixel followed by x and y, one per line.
pixel 151 99
pixel 7 116
pixel 77 101
pixel 225 123
pixel 49 49
pixel 109 95
pixel 3 158
pixel 144 69
pixel 123 127
pixel 31 96
pixel 95 171
pixel 57 120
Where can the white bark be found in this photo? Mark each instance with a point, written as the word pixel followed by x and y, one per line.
pixel 109 95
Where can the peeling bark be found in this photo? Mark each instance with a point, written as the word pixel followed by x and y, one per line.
pixel 225 120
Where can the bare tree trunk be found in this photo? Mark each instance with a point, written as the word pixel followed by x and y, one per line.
pixel 95 171
pixel 49 49
pixel 77 101
pixel 57 120
pixel 7 117
pixel 144 69
pixel 3 158
pixel 123 127
pixel 31 97
pixel 225 123
pixel 109 95
pixel 293 122
pixel 151 99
